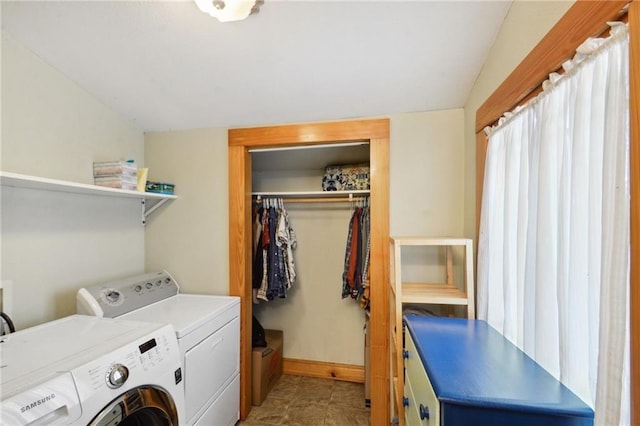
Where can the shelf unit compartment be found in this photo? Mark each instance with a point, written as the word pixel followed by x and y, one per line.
pixel 436 294
pixel 452 258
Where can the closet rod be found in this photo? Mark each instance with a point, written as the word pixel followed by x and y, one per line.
pixel 313 194
pixel 313 199
pixel 317 200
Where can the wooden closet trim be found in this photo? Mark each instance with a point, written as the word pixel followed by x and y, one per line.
pixel 310 133
pixel 240 141
pixel 584 19
pixel 634 114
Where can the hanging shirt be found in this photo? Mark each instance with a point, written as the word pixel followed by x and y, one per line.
pixel 357 253
pixel 262 291
pixel 351 255
pixel 364 291
pixel 276 284
pixel 286 240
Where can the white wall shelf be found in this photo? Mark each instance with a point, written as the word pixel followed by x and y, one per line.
pixel 150 201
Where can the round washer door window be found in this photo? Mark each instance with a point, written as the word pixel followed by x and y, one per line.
pixel 144 405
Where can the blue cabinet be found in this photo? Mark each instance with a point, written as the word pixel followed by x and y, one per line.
pixel 463 372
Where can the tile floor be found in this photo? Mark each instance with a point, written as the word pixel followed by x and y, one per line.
pixel 306 401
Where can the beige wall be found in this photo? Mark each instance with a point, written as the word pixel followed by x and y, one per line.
pixel 426 173
pixel 190 237
pixel 53 243
pixel 53 128
pixel 525 25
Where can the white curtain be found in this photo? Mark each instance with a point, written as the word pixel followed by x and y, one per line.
pixel 553 254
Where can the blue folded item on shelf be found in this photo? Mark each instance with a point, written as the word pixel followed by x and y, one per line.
pixel 160 187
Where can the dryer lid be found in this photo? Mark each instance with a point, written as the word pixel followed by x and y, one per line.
pixel 188 312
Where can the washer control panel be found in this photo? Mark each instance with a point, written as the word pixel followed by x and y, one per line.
pixel 132 365
pixel 119 297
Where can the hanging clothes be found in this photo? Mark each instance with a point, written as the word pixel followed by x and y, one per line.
pixel 257 254
pixel 286 240
pixel 273 264
pixel 366 224
pixel 356 261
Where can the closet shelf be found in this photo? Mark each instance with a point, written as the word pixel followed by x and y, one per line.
pixel 150 201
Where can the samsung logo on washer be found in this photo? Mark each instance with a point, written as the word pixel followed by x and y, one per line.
pixel 37 402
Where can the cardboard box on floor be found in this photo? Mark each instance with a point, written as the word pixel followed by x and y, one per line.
pixel 267 365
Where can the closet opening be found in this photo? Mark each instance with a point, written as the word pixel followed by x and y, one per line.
pixel 323 328
pixel 323 332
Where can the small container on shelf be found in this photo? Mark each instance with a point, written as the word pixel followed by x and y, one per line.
pixel 117 181
pixel 348 177
pixel 113 168
pixel 160 187
pixel 142 179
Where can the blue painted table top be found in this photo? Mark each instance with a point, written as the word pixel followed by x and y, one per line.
pixel 469 363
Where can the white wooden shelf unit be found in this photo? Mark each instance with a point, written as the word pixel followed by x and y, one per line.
pixel 402 292
pixel 150 201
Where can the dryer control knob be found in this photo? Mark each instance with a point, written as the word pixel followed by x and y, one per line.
pixel 117 375
pixel 112 295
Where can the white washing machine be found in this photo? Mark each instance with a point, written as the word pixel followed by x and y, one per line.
pixel 83 370
pixel 208 332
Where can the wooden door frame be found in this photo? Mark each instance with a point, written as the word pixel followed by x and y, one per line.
pixel 376 132
pixel 584 19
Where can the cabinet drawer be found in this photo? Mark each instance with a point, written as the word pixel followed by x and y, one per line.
pixel 412 410
pixel 420 389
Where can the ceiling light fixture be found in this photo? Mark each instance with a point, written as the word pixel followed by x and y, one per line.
pixel 229 10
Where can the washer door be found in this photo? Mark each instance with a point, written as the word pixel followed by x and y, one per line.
pixel 144 405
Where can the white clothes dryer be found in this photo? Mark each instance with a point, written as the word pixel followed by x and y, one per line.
pixel 83 370
pixel 208 332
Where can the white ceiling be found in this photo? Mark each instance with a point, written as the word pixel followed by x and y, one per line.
pixel 166 65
